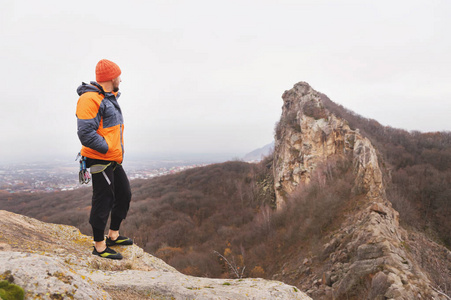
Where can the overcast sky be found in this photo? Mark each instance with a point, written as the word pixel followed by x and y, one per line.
pixel 207 76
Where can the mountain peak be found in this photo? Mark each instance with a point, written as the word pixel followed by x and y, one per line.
pixel 367 254
pixel 308 135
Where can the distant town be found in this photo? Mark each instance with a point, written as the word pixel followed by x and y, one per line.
pixel 52 177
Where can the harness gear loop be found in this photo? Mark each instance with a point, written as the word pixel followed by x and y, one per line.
pixel 83 176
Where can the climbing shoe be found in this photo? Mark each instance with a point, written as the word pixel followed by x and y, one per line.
pixel 107 253
pixel 120 241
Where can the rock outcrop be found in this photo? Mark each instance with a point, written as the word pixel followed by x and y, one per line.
pixel 368 257
pixel 308 135
pixel 51 261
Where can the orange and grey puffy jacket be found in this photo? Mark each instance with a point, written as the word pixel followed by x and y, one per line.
pixel 100 123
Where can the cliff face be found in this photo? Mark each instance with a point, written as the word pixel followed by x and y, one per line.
pixel 368 257
pixel 308 135
pixel 51 261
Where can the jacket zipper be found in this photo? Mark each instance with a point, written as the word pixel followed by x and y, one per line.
pixel 122 144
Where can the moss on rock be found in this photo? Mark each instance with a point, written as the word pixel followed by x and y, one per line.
pixel 9 291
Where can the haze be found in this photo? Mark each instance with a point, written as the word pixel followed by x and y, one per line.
pixel 206 77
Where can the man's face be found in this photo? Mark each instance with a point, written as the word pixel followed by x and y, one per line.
pixel 116 82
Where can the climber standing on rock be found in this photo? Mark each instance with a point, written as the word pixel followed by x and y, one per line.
pixel 100 130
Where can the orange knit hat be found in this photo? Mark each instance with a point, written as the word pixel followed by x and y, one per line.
pixel 107 70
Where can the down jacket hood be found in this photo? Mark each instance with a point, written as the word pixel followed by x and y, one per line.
pixel 92 87
pixel 86 87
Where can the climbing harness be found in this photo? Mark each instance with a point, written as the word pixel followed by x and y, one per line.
pixel 101 169
pixel 83 176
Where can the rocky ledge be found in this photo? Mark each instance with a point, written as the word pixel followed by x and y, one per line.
pixel 51 261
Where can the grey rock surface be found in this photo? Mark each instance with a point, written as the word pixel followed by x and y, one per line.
pixel 52 261
pixel 44 277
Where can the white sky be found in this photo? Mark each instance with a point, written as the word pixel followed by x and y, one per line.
pixel 207 76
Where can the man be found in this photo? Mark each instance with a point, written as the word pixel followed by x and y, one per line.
pixel 100 130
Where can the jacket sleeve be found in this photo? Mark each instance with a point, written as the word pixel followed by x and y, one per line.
pixel 88 122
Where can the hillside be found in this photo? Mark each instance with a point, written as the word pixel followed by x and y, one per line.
pixel 260 153
pixel 345 208
pixel 417 170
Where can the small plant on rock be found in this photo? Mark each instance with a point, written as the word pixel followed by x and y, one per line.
pixel 9 291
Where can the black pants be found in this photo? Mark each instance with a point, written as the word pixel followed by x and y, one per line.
pixel 110 196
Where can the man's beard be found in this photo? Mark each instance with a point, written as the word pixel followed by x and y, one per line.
pixel 115 89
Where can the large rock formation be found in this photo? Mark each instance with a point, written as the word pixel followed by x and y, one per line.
pixel 53 261
pixel 368 257
pixel 308 134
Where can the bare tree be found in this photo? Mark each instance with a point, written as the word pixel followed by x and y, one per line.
pixel 234 268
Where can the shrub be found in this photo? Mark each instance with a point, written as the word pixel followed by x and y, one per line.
pixel 313 109
pixel 257 272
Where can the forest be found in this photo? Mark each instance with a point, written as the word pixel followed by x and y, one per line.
pixel 215 221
